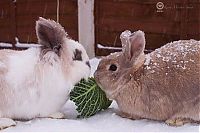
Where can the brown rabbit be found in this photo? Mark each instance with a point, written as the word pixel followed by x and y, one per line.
pixel 163 85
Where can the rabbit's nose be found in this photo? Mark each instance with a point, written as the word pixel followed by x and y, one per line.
pixel 88 64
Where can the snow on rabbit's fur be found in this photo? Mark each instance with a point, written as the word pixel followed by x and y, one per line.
pixel 36 82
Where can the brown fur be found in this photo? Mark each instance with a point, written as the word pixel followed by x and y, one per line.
pixel 166 88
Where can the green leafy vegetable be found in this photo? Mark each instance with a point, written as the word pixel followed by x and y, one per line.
pixel 89 98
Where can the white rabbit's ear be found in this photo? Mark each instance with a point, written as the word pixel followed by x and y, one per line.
pixel 50 34
pixel 133 44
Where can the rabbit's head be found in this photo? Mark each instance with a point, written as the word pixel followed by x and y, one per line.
pixel 112 71
pixel 58 47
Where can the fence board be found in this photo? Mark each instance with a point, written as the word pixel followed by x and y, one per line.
pixel 179 19
pixel 17 19
pixel 28 12
pixel 7 26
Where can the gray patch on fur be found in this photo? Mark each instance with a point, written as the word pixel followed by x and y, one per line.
pixel 77 55
pixel 88 64
pixel 50 34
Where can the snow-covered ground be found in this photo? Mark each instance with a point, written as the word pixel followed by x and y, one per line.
pixel 104 121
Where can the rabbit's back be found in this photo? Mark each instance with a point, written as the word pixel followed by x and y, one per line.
pixel 175 64
pixel 14 65
pixel 172 75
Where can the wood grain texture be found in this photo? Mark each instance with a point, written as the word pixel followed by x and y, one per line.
pixel 7 26
pixel 179 19
pixel 17 19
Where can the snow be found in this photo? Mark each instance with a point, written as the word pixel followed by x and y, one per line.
pixel 148 59
pixel 19 45
pixel 105 47
pixel 106 120
pixel 103 121
pixel 5 45
pixel 24 45
pixel 182 46
pixel 172 53
pixel 116 48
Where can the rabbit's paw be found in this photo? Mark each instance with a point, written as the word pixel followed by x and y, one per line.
pixel 177 121
pixel 6 122
pixel 57 115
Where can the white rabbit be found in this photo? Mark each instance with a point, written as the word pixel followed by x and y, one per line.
pixel 36 82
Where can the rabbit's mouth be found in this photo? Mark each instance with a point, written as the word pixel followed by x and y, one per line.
pixel 103 88
pixel 99 84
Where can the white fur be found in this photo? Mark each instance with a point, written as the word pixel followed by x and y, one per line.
pixel 79 66
pixel 40 98
pixel 39 88
pixel 37 82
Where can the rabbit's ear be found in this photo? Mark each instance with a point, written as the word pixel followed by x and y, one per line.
pixel 125 41
pixel 133 44
pixel 137 44
pixel 49 33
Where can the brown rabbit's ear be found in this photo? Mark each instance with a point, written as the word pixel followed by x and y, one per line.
pixel 137 44
pixel 133 44
pixel 50 34
pixel 125 41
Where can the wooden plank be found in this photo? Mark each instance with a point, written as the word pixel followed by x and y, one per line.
pixel 28 35
pixel 194 12
pixel 184 17
pixel 108 24
pixel 193 29
pixel 43 8
pixel 28 12
pixel 133 11
pixel 34 1
pixel 67 21
pixel 153 41
pixel 7 24
pixel 177 21
pixel 143 1
pixel 4 23
pixel 96 21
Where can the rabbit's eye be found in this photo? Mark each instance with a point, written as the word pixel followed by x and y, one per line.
pixel 113 67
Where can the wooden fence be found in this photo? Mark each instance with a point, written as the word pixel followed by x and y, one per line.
pixel 17 19
pixel 162 21
pixel 173 20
